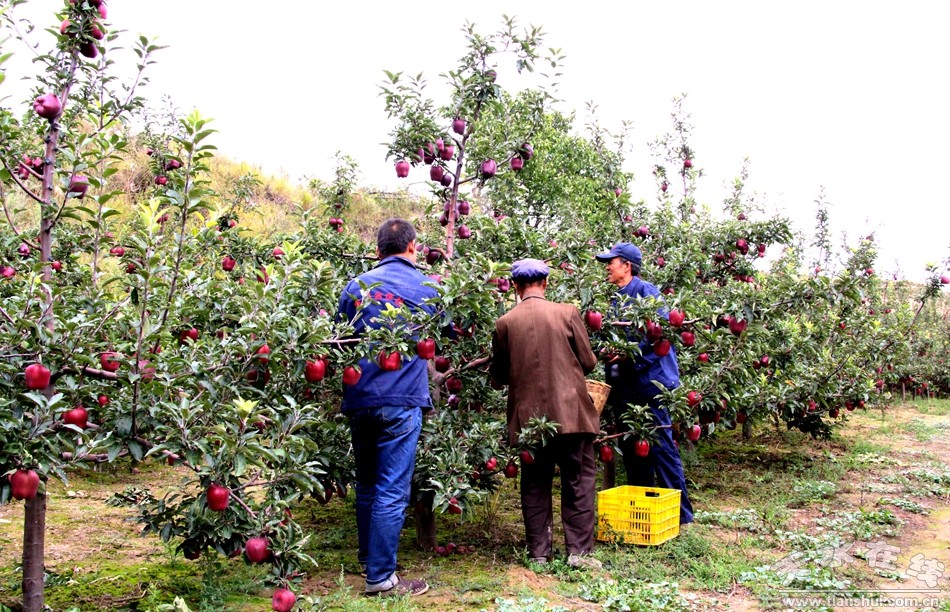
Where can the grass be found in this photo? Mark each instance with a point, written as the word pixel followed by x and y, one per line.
pixel 759 503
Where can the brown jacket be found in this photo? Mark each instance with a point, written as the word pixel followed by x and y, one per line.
pixel 541 350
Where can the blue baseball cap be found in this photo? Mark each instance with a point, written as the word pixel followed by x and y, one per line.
pixel 529 270
pixel 622 249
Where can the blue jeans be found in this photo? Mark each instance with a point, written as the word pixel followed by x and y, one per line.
pixel 384 446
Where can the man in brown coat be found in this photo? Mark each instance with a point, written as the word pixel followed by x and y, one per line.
pixel 541 350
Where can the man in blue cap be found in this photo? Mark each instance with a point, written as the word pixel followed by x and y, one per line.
pixel 632 382
pixel 541 350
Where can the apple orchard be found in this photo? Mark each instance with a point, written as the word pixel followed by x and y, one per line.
pixel 141 322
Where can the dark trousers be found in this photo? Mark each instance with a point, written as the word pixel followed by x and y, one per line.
pixel 662 467
pixel 574 454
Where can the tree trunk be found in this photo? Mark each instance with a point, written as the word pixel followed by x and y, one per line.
pixel 34 535
pixel 609 479
pixel 426 536
pixel 746 430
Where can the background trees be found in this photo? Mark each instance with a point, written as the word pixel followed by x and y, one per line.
pixel 171 332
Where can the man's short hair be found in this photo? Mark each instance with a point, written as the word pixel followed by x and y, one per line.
pixel 394 236
pixel 634 266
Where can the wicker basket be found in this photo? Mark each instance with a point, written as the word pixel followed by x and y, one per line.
pixel 598 392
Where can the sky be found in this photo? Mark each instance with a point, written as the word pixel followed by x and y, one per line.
pixel 846 97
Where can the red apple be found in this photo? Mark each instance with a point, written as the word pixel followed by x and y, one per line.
pixel 662 347
pixel 693 433
pixel 436 173
pixel 641 448
pixel 516 163
pixel 283 600
pixel 56 265
pixel 161 181
pixel 263 354
pixel 402 168
pixel 425 348
pixel 315 370
pixel 89 49
pixel 218 497
pixel 8 271
pixel 351 375
pixel 526 151
pixel 511 470
pixel 688 338
pixel 741 417
pixel 108 362
pixel 446 179
pixel 189 334
pixel 454 507
pixel 228 263
pixel 527 457
pixel 737 326
pixel 172 164
pixel 389 362
pixel 48 106
pixel 453 384
pixel 464 232
pixel 704 357
pixel 37 376
pixel 117 251
pixel 96 32
pixel 945 279
pixel 464 207
pixel 491 464
pixel 504 285
pixel 489 167
pixel 458 126
pixel 78 416
pixel 146 371
pixel 278 252
pixel 693 398
pixel 442 364
pixel 24 484
pixel 64 26
pixel 78 184
pixel 103 400
pixel 447 152
pixel 653 330
pixel 606 453
pixel 687 163
pixel 677 317
pixel 594 320
pixel 257 550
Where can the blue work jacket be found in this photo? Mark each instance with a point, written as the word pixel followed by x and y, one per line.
pixel 401 283
pixel 633 378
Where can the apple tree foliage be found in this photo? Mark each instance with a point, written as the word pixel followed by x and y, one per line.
pixel 190 341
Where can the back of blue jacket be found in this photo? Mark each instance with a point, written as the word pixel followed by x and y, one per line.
pixel 400 283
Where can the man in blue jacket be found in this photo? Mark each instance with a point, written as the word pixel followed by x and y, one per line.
pixel 631 382
pixel 385 408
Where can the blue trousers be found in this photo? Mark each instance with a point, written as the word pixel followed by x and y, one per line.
pixel 384 446
pixel 662 467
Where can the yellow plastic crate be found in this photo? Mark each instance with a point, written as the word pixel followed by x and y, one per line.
pixel 647 516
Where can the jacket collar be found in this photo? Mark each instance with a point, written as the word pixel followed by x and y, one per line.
pixel 396 259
